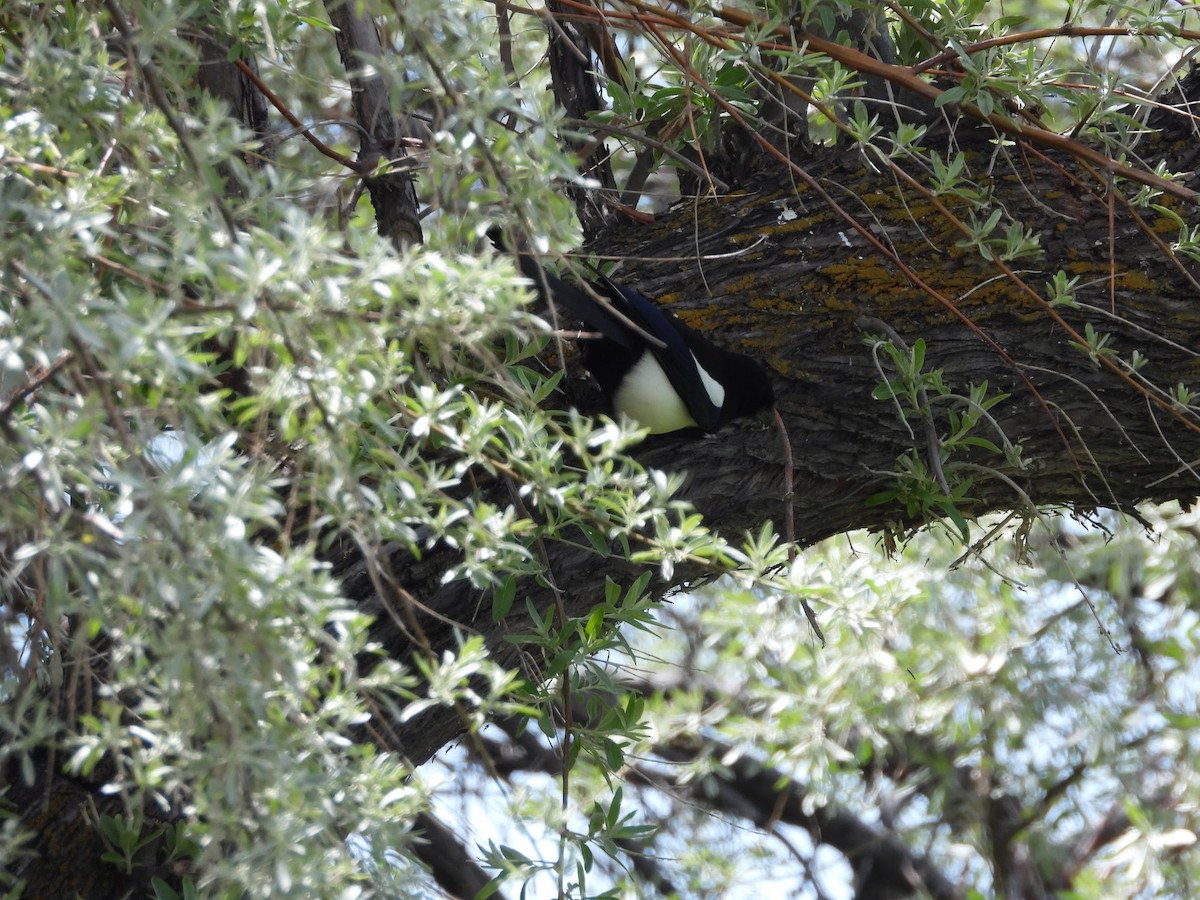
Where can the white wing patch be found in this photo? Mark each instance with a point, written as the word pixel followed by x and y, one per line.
pixel 712 387
pixel 647 396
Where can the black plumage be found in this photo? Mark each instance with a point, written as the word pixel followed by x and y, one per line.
pixel 649 364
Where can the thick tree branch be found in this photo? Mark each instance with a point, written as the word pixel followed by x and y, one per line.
pixel 884 866
pixel 454 869
pixel 774 273
pixel 577 92
pixel 233 82
pixel 393 193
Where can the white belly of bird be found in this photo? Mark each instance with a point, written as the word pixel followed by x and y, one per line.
pixel 647 396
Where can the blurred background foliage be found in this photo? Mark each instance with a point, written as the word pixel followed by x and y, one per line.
pixel 211 366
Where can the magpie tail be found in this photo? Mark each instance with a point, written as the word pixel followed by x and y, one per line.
pixel 564 296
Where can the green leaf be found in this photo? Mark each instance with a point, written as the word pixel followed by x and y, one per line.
pixel 952 513
pixel 595 537
pixel 503 596
pixel 637 590
pixel 918 355
pixel 951 95
pixel 313 21
pixel 614 756
pixel 548 386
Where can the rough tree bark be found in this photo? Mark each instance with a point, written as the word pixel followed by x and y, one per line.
pixel 776 273
pixel 569 55
pixel 393 192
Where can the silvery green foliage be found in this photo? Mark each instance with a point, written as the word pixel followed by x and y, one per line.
pixel 152 541
pixel 372 383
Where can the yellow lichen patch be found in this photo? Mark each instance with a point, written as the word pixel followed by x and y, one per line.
pixel 791 226
pixel 1135 281
pixel 1164 225
pixel 859 274
pixel 923 212
pixel 1127 279
pixel 777 303
pixel 739 286
pixel 878 199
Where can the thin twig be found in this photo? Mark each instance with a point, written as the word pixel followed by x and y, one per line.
pixel 35 382
pixel 301 128
pixel 789 515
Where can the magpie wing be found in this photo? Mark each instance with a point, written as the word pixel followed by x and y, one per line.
pixel 699 388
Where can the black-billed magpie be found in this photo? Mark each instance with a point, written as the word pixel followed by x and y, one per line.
pixel 678 380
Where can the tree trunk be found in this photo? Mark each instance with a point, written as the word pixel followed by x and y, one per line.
pixel 776 273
